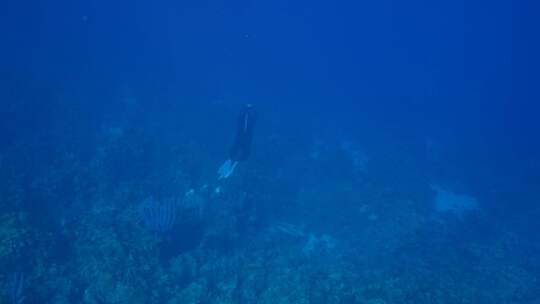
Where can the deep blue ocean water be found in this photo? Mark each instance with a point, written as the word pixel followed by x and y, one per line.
pixel 395 155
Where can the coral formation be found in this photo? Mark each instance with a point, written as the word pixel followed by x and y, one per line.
pixel 335 228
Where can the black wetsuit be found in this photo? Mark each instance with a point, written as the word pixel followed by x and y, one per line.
pixel 241 147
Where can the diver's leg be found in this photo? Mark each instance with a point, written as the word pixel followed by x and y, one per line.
pixel 227 169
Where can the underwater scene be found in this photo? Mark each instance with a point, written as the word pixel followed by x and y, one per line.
pixel 273 152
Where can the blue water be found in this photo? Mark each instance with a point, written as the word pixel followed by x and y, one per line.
pixel 394 158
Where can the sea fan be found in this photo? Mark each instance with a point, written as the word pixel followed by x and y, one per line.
pixel 159 216
pixel 16 287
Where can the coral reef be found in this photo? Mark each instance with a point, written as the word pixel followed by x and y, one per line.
pixel 14 234
pixel 336 227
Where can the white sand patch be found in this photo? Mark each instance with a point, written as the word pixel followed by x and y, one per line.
pixel 447 201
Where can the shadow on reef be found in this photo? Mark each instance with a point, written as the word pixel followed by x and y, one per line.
pixel 184 236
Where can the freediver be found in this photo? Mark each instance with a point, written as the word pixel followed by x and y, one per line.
pixel 241 147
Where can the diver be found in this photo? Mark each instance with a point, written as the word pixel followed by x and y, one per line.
pixel 241 147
